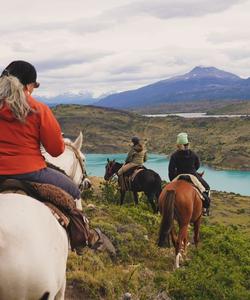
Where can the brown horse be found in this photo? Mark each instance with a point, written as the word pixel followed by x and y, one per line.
pixel 180 201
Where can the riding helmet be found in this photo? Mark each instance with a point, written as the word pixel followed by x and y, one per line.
pixel 24 71
pixel 135 140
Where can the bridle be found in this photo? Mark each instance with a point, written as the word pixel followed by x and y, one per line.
pixel 109 170
pixel 77 161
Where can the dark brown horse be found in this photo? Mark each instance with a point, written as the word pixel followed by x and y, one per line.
pixel 147 181
pixel 180 201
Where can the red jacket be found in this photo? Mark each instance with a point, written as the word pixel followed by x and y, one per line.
pixel 20 142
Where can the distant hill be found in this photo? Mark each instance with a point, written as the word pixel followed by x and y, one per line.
pixel 236 108
pixel 220 142
pixel 201 84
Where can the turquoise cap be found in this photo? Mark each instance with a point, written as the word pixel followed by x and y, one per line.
pixel 182 139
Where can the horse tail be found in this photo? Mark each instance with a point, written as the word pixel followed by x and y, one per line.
pixel 45 296
pixel 167 218
pixel 158 190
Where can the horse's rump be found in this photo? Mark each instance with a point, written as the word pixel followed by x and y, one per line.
pixel 148 180
pixel 33 249
pixel 60 203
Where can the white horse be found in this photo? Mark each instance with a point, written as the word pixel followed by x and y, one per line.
pixel 33 246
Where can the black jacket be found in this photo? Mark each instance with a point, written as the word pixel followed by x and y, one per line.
pixel 183 162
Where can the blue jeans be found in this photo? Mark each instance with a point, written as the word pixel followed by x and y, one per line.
pixel 51 176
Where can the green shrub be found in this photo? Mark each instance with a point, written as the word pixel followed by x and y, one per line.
pixel 219 270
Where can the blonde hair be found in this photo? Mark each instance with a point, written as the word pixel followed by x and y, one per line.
pixel 12 93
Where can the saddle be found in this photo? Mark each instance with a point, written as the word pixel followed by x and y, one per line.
pixel 129 176
pixel 61 204
pixel 194 181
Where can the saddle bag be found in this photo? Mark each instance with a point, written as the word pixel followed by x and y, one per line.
pixel 78 229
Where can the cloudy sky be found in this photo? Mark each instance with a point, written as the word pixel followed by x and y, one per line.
pixel 97 47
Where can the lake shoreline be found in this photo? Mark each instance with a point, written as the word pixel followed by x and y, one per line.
pixel 214 166
pixel 235 181
pixel 195 115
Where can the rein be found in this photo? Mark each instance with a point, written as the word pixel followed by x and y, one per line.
pixel 110 170
pixel 74 168
pixel 50 165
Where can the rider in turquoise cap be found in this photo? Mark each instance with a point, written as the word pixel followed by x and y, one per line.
pixel 185 161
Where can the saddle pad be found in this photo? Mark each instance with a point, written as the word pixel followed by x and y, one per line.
pixel 194 181
pixel 23 188
pixel 61 218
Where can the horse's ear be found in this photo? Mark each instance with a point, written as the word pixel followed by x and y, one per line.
pixel 78 142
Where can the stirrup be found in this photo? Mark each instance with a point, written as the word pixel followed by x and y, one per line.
pixel 205 212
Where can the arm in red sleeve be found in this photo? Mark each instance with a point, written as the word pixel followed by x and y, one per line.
pixel 50 133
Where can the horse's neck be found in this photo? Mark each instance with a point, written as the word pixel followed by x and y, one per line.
pixel 117 166
pixel 64 161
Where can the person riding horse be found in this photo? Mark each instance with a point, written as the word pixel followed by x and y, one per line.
pixel 135 157
pixel 185 161
pixel 26 124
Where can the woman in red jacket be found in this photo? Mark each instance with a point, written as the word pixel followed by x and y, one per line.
pixel 25 124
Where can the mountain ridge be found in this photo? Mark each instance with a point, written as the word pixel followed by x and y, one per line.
pixel 201 83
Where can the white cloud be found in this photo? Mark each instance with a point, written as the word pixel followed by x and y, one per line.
pixel 166 9
pixel 96 46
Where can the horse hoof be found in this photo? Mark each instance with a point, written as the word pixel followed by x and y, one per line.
pixel 177 260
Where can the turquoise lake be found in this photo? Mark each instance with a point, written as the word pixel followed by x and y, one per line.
pixel 228 181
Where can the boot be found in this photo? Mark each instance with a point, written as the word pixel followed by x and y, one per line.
pixel 122 182
pixel 206 203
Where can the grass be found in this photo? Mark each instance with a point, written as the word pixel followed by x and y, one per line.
pixel 218 270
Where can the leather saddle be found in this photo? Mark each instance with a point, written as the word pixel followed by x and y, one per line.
pixel 129 176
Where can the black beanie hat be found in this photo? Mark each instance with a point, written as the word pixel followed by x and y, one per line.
pixel 24 71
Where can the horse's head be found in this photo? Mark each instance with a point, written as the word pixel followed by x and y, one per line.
pixel 110 169
pixel 201 174
pixel 72 162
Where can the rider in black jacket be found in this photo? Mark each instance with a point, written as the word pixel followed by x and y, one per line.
pixel 185 161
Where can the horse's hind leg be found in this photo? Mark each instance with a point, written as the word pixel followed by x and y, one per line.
pixel 197 231
pixel 181 244
pixel 173 236
pixel 61 292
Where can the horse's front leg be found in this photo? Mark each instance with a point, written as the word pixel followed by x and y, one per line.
pixel 122 192
pixel 151 201
pixel 135 197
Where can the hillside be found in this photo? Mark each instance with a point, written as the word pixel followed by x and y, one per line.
pixel 222 143
pixel 218 270
pixel 200 84
pixel 240 108
pixel 213 107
